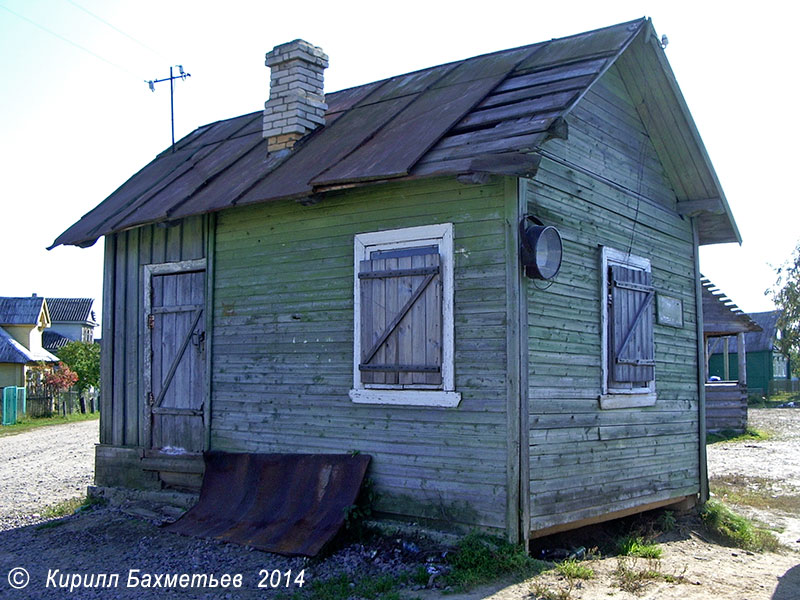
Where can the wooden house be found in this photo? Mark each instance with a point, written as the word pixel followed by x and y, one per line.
pixel 22 323
pixel 341 272
pixel 72 320
pixel 768 369
pixel 726 396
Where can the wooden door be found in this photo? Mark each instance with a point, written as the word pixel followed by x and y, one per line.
pixel 175 356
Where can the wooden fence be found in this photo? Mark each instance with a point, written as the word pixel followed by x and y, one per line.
pixel 44 401
pixel 776 386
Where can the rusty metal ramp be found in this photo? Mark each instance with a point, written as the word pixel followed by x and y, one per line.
pixel 290 504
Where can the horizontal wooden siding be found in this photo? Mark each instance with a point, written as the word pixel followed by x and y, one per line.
pixel 283 346
pixel 605 186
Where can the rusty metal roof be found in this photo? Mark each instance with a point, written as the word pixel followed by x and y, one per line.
pixel 291 504
pixel 482 114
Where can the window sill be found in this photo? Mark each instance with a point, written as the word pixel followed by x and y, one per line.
pixel 407 398
pixel 612 401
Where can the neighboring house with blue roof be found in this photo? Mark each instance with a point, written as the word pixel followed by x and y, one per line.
pixel 22 322
pixel 72 319
pixel 765 362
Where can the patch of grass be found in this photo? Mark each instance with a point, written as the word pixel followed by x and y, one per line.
pixel 72 506
pixel 727 435
pixel 419 576
pixel 481 558
pixel 28 423
pixel 773 401
pixel 737 530
pixel 542 592
pixel 758 492
pixel 666 521
pixel 574 569
pixel 633 576
pixel 342 587
pixel 62 509
pixel 637 546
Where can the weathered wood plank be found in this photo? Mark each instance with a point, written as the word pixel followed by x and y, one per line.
pixel 283 327
pixel 606 186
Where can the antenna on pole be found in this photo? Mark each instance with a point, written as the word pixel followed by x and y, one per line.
pixel 152 84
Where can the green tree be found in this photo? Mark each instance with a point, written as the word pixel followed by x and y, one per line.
pixel 786 295
pixel 84 359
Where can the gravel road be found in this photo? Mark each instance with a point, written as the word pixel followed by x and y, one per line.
pixel 775 458
pixel 44 467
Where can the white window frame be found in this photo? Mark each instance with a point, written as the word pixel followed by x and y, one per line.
pixel 445 395
pixel 612 397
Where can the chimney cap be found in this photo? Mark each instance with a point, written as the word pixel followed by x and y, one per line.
pixel 297 50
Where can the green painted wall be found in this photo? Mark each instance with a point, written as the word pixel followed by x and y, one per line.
pixel 283 343
pixel 759 369
pixel 605 186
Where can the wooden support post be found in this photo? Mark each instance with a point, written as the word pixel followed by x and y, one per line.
pixel 707 357
pixel 726 367
pixel 742 355
pixel 701 383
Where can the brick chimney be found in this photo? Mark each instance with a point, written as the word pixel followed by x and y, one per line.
pixel 296 104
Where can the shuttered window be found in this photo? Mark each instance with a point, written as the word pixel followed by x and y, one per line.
pixel 403 339
pixel 401 317
pixel 627 330
pixel 631 335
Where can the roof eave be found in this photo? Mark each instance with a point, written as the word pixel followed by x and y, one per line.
pixel 673 82
pixel 712 230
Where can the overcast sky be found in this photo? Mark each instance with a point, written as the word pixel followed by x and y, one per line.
pixel 77 118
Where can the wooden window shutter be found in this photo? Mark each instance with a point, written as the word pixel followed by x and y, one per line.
pixel 631 351
pixel 401 317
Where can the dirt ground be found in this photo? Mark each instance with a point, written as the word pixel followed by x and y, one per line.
pixel 704 569
pixel 698 568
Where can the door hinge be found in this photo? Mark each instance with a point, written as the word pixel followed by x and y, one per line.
pixel 151 321
pixel 151 399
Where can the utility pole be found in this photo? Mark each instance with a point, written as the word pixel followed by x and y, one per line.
pixel 152 83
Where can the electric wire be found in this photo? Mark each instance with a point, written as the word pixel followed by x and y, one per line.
pixel 118 30
pixel 640 177
pixel 68 41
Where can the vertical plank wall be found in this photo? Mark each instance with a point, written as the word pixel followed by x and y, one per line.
pixel 585 461
pixel 122 362
pixel 283 344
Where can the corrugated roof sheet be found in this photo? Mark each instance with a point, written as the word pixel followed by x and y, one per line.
pixel 11 351
pixel 482 114
pixel 52 340
pixel 70 309
pixel 20 311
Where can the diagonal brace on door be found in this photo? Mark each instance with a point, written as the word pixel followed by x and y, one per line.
pixel 648 299
pixel 174 366
pixel 396 321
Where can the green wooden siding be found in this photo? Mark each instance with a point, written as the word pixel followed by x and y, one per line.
pixel 585 461
pixel 759 369
pixel 283 344
pixel 122 393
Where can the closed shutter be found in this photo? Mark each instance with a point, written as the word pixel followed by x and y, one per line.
pixel 631 351
pixel 401 317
